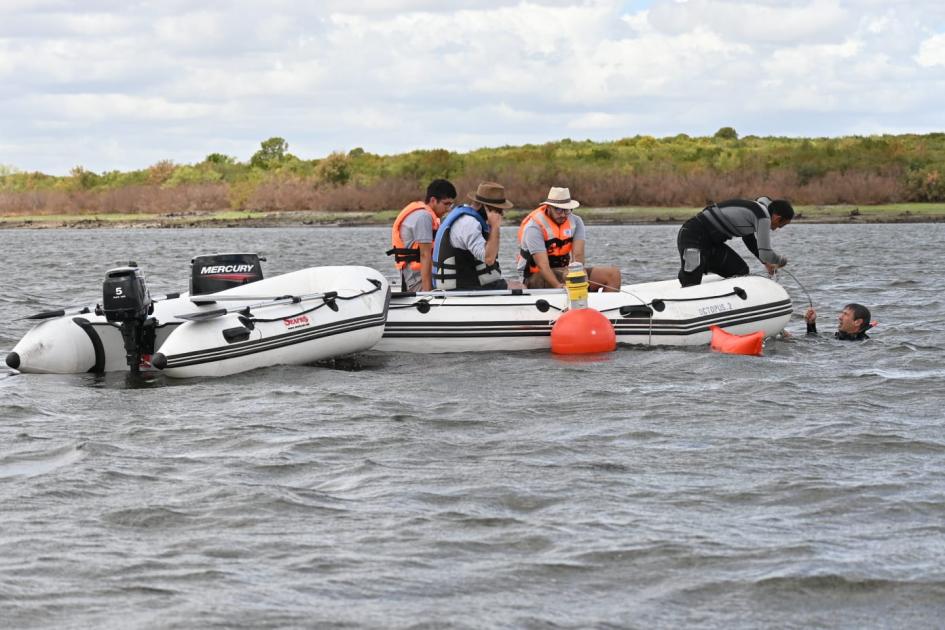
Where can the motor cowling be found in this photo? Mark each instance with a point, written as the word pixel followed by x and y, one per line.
pixel 216 272
pixel 125 295
pixel 127 302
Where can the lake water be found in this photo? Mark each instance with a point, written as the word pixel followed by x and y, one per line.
pixel 652 488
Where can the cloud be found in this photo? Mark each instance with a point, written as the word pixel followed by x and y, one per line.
pixel 123 86
pixel 932 52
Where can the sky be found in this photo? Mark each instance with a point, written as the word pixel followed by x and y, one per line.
pixel 121 85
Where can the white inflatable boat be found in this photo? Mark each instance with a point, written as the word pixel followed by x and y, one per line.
pixel 299 317
pixel 323 312
pixel 651 314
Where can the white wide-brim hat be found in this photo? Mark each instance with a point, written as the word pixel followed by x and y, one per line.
pixel 561 198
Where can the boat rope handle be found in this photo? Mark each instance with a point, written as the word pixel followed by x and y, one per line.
pixel 740 292
pixel 328 300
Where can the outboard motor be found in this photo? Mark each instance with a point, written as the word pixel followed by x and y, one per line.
pixel 126 302
pixel 216 272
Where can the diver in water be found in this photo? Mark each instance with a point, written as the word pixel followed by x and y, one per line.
pixel 852 322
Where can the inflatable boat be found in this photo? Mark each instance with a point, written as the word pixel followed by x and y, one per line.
pixel 232 320
pixel 649 314
pixel 297 318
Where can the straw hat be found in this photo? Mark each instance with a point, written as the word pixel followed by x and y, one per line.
pixel 560 198
pixel 491 194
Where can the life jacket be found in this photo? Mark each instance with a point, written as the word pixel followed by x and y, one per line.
pixel 558 239
pixel 455 268
pixel 402 254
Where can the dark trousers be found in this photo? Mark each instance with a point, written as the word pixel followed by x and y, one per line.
pixel 714 255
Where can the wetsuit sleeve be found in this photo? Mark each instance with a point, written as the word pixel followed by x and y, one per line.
pixel 763 235
pixel 811 328
pixel 752 244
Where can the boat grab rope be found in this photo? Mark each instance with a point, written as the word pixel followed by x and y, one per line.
pixel 328 299
pixel 657 303
pixel 425 304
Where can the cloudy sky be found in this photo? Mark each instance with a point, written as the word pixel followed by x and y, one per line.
pixel 123 84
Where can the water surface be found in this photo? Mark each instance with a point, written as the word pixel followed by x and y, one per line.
pixel 652 488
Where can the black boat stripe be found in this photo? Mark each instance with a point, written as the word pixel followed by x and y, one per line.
pixel 300 332
pixel 532 329
pixel 773 306
pixel 241 352
pixel 86 325
pixel 290 338
pixel 768 310
pixel 273 343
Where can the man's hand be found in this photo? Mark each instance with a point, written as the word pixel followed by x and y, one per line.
pixel 493 218
pixel 810 316
pixel 771 268
pixel 544 269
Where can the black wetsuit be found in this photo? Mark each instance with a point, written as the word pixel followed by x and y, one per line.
pixel 842 336
pixel 707 232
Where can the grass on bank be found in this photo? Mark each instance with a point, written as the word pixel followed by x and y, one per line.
pixel 900 212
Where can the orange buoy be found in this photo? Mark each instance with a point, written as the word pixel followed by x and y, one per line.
pixel 583 331
pixel 729 343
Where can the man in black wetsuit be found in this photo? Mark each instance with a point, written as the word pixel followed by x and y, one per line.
pixel 852 322
pixel 701 239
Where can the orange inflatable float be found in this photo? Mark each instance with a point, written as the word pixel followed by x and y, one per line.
pixel 728 343
pixel 583 331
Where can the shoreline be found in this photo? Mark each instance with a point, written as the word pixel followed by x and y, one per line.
pixel 850 214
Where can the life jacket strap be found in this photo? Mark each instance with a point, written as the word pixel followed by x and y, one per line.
pixel 404 254
pixel 559 261
pixel 558 242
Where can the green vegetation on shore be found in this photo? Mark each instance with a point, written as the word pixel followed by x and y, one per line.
pixel 636 179
pixel 888 213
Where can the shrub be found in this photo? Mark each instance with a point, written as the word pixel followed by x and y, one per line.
pixel 925 184
pixel 82 178
pixel 334 170
pixel 192 175
pixel 160 172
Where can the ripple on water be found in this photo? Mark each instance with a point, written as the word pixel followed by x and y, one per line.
pixel 661 487
pixel 151 518
pixel 34 462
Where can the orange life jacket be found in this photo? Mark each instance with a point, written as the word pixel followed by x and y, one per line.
pixel 558 240
pixel 402 254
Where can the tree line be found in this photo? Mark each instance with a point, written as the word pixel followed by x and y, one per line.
pixel 637 171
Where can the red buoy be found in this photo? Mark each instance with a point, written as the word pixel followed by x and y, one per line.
pixel 583 331
pixel 723 341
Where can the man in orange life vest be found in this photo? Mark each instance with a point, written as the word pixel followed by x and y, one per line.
pixel 413 233
pixel 552 237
